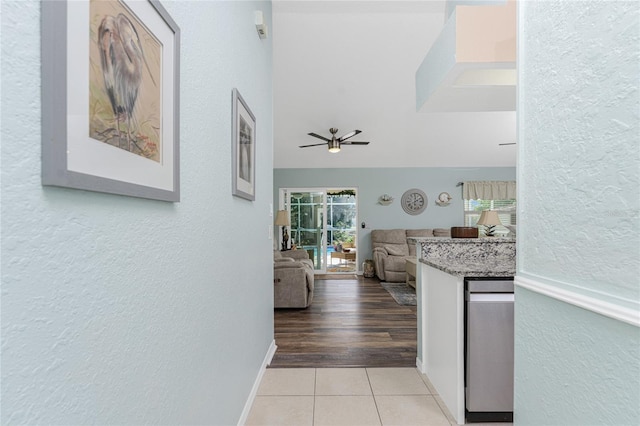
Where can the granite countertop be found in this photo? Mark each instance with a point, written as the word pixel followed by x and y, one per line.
pixel 498 267
pixel 445 240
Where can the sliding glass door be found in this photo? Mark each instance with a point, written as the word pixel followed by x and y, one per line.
pixel 323 222
pixel 307 210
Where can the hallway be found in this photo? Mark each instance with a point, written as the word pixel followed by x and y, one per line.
pixel 352 322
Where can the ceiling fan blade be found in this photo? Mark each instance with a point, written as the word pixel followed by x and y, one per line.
pixel 504 144
pixel 315 144
pixel 315 135
pixel 355 143
pixel 349 135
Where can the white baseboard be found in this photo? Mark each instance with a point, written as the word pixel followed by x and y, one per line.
pixel 611 310
pixel 254 390
pixel 420 365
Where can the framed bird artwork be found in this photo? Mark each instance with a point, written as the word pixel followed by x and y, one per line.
pixel 110 97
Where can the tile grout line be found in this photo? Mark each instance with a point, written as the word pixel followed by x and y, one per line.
pixel 433 396
pixel 315 385
pixel 375 402
pixel 441 410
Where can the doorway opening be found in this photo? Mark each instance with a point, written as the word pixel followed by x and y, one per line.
pixel 323 222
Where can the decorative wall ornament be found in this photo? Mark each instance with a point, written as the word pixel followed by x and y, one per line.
pixel 110 98
pixel 444 199
pixel 243 149
pixel 414 201
pixel 385 199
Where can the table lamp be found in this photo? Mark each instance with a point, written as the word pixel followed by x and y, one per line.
pixel 489 219
pixel 282 219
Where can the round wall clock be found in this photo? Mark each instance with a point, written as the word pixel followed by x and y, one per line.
pixel 414 201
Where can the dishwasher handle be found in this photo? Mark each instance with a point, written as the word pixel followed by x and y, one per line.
pixel 490 297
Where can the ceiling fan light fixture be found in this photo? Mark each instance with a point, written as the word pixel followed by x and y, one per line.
pixel 334 144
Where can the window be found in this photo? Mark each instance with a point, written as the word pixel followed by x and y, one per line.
pixel 506 212
pixel 490 195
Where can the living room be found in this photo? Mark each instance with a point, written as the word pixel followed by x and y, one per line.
pixel 124 310
pixel 363 80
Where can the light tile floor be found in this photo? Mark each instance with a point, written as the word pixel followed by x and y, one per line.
pixel 347 396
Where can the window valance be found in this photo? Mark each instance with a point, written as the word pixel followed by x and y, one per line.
pixel 489 190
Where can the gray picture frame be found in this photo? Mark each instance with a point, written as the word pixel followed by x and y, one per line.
pixel 55 131
pixel 243 148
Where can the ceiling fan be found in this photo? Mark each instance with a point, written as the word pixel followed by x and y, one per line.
pixel 334 143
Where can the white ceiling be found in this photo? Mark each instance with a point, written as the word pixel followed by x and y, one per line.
pixel 351 65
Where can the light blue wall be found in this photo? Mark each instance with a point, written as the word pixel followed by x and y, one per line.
pixel 117 310
pixel 573 367
pixel 579 214
pixel 371 183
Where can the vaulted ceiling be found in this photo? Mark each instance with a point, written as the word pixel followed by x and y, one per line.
pixel 352 65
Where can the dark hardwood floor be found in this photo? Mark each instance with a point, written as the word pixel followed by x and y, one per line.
pixel 351 323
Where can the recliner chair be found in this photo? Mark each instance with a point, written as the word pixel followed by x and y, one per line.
pixel 391 249
pixel 293 279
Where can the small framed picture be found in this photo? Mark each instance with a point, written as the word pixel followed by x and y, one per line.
pixel 110 98
pixel 243 149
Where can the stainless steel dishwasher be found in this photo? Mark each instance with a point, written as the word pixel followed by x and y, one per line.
pixel 489 350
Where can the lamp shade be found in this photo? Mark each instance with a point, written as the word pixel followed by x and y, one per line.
pixel 282 218
pixel 489 218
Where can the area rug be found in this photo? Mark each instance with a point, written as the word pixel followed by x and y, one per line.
pixel 402 293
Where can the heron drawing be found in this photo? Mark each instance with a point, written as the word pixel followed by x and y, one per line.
pixel 122 59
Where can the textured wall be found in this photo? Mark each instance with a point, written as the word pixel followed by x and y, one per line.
pixel 372 183
pixel 573 367
pixel 578 179
pixel 118 310
pixel 579 128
